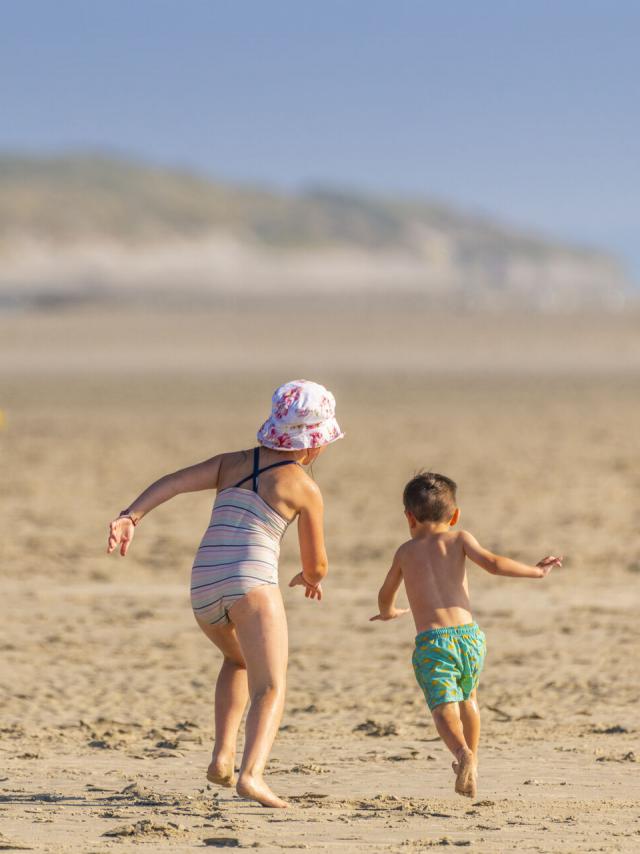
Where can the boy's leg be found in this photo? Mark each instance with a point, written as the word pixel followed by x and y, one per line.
pixel 448 722
pixel 446 717
pixel 470 717
pixel 473 650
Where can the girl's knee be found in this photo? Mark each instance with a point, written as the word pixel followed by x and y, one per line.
pixel 268 691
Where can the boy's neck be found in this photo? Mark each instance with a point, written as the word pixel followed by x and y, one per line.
pixel 428 529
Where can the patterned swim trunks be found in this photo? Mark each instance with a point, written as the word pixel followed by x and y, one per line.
pixel 448 662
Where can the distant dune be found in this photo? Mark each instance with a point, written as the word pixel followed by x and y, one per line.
pixel 83 228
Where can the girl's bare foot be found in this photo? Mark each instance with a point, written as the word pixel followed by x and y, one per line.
pixel 221 773
pixel 466 776
pixel 256 789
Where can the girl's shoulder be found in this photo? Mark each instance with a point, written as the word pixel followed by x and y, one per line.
pixel 234 465
pixel 304 491
pixel 232 458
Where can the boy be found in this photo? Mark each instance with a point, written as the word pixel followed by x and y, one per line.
pixel 450 648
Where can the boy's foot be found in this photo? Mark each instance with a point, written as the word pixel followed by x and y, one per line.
pixel 466 775
pixel 455 767
pixel 221 773
pixel 257 790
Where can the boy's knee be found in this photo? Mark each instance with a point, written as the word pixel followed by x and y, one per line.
pixel 445 711
pixel 438 711
pixel 470 702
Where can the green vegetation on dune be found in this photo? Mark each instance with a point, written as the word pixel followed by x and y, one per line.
pixel 74 197
pixel 77 225
pixel 78 196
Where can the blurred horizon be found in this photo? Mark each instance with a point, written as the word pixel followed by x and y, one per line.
pixel 127 158
pixel 523 114
pixel 92 230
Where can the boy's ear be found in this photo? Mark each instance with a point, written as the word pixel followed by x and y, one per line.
pixel 411 519
pixel 454 519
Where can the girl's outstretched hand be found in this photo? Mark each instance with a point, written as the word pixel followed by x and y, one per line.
pixel 393 613
pixel 120 534
pixel 311 591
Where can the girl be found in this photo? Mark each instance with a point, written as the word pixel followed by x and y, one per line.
pixel 234 582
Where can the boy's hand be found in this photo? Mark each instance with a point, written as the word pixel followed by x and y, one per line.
pixel 312 591
pixel 390 615
pixel 121 532
pixel 547 564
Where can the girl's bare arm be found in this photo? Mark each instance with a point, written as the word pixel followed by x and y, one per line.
pixel 313 555
pixel 192 479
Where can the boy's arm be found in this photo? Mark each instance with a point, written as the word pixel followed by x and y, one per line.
pixel 389 591
pixel 498 565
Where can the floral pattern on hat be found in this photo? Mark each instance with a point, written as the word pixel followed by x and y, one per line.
pixel 302 416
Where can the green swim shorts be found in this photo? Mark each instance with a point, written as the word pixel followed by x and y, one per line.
pixel 447 662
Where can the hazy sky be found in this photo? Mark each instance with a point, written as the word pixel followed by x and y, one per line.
pixel 528 109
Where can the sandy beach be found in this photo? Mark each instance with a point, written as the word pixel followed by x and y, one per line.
pixel 106 684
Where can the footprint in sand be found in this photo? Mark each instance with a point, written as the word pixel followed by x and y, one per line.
pixel 626 757
pixel 147 829
pixel 309 768
pixel 405 757
pixel 376 729
pixel 141 796
pixel 10 845
pixel 616 729
pixel 435 843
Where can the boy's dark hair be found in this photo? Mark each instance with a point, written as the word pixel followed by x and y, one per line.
pixel 430 497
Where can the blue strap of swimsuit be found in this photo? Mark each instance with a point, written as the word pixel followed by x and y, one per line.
pixel 257 470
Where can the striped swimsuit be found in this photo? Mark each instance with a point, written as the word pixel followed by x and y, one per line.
pixel 239 549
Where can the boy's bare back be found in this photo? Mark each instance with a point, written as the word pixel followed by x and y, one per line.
pixel 435 579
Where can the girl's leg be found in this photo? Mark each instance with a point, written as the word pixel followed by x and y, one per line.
pixel 230 700
pixel 449 725
pixel 261 626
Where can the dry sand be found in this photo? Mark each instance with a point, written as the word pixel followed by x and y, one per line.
pixel 107 684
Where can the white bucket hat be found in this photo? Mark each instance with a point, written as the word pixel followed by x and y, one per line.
pixel 302 416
